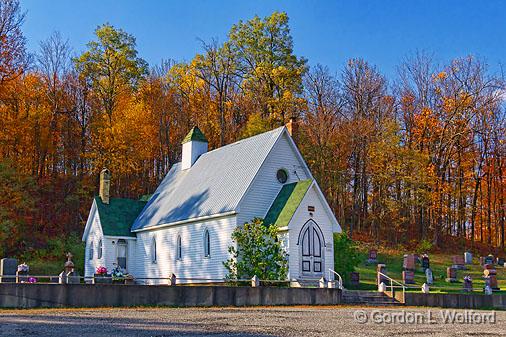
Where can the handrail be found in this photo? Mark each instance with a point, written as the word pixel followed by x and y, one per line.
pixel 340 279
pixel 392 281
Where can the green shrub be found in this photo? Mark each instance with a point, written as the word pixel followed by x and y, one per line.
pixel 424 246
pixel 259 252
pixel 346 255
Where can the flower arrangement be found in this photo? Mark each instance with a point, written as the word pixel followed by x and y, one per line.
pixel 468 278
pixel 23 268
pixel 101 270
pixel 32 280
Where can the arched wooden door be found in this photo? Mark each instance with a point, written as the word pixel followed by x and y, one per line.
pixel 311 248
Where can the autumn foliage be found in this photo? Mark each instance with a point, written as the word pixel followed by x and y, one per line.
pixel 420 158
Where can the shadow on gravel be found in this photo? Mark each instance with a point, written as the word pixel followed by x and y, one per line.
pixel 86 325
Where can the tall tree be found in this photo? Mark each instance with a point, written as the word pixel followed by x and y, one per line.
pixel 112 65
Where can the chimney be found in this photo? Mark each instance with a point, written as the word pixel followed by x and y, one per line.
pixel 293 128
pixel 105 184
pixel 194 145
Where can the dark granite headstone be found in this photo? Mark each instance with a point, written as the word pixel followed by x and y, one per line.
pixel 468 283
pixel 354 279
pixel 500 261
pixel 8 267
pixel 451 274
pixel 425 262
pixel 489 259
pixel 408 277
pixel 373 256
pixel 490 276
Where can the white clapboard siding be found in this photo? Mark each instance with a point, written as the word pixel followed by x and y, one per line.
pixel 265 187
pixel 95 234
pixel 193 263
pixel 324 221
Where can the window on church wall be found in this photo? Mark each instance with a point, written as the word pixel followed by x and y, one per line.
pixel 179 248
pixel 153 251
pixel 207 244
pixel 99 249
pixel 90 251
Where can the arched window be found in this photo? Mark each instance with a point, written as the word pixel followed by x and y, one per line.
pixel 153 250
pixel 99 249
pixel 179 248
pixel 90 251
pixel 207 244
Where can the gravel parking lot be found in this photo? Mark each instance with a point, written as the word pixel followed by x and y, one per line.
pixel 250 322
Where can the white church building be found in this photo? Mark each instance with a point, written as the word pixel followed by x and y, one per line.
pixel 184 228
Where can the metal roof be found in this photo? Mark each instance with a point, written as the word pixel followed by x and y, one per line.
pixel 118 216
pixel 214 185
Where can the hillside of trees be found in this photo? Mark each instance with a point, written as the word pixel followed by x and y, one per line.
pixel 420 156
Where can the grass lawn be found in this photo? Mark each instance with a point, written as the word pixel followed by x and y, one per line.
pixel 438 264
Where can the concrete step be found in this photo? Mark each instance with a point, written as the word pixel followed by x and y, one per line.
pixel 360 297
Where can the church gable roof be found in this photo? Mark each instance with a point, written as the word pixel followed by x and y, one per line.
pixel 286 203
pixel 214 185
pixel 118 216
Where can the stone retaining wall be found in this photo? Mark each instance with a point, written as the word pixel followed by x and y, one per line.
pixel 463 301
pixel 108 295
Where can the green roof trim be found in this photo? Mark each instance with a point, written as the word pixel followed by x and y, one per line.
pixel 195 134
pixel 118 216
pixel 286 203
pixel 145 197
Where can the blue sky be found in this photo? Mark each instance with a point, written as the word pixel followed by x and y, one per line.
pixel 327 32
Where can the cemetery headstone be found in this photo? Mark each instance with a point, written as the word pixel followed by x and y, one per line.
pixel 425 262
pixel 408 277
pixel 468 283
pixel 468 258
pixel 429 278
pixel 458 262
pixel 8 267
pixel 487 290
pixel 451 274
pixel 373 256
pixel 22 273
pixel 73 277
pixel 482 260
pixel 381 268
pixel 69 265
pixel 490 276
pixel 489 259
pixel 500 261
pixel 409 262
pixel 425 288
pixel 354 279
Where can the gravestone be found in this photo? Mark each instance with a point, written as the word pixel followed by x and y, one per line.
pixel 458 262
pixel 500 261
pixel 489 259
pixel 451 274
pixel 490 276
pixel 468 258
pixel 73 277
pixel 482 260
pixel 8 267
pixel 429 278
pixel 381 268
pixel 409 262
pixel 408 277
pixel 425 288
pixel 373 256
pixel 468 283
pixel 425 262
pixel 354 279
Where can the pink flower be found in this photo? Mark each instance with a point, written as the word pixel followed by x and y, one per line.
pixel 101 270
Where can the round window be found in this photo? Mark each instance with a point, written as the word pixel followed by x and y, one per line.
pixel 282 176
